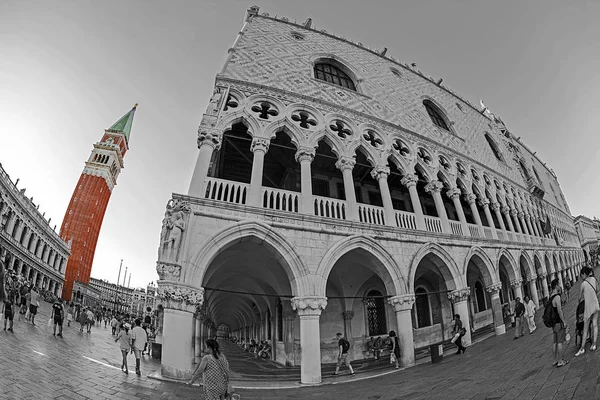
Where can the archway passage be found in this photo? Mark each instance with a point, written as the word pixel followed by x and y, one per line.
pixel 248 290
pixel 480 302
pixel 507 292
pixel 357 289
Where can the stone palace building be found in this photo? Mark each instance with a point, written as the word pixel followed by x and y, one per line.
pixel 28 245
pixel 339 190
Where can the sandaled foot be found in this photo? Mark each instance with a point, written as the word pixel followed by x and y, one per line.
pixel 562 363
pixel 580 352
pixel 593 347
pixel 555 363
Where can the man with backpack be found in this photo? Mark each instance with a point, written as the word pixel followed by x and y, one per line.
pixel 343 346
pixel 554 318
pixel 519 318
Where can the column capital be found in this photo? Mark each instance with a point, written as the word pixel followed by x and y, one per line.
pixel 409 180
pixel 348 315
pixel 494 288
pixel 402 302
pixel 454 193
pixel 209 137
pixel 305 154
pixel 471 198
pixel 532 279
pixel 520 215
pixel 309 305
pixel 516 282
pixel 380 172
pixel 513 212
pixel 505 210
pixel 179 297
pixel 459 295
pixel 495 207
pixel 543 276
pixel 260 144
pixel 168 271
pixel 434 187
pixel 485 202
pixel 344 163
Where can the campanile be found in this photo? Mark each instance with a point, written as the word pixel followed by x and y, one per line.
pixel 83 218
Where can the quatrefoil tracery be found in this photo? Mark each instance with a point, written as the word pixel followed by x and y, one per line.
pixel 424 156
pixel 444 163
pixel 232 102
pixel 401 147
pixel 265 110
pixel 372 139
pixel 340 129
pixel 304 119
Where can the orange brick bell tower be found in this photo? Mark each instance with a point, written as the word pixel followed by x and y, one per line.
pixel 83 219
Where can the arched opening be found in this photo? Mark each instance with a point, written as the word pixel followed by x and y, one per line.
pixel 400 194
pixel 432 313
pixel 327 183
pixel 436 115
pixel 525 276
pixel 540 282
pixel 357 289
pixel 365 186
pixel 465 206
pixel 333 72
pixel 281 171
pixel 480 211
pixel 427 202
pixel 507 293
pixel 480 303
pixel 448 203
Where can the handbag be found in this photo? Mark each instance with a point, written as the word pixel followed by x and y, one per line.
pixel 392 358
pixel 50 322
pixel 455 338
pixel 463 332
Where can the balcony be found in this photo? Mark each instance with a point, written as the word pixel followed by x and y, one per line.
pixel 535 188
pixel 336 209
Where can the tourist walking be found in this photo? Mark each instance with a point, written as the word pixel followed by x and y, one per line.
pixel 519 316
pixel 34 305
pixel 560 327
pixel 90 319
pixel 530 310
pixel 588 294
pixel 124 339
pixel 459 332
pixel 343 347
pixel 395 353
pixel 70 311
pixel 57 317
pixel 214 368
pixel 138 341
pixel 82 319
pixel 114 322
pixel 9 313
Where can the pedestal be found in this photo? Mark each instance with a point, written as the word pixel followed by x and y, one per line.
pixel 309 310
pixel 499 326
pixel 402 306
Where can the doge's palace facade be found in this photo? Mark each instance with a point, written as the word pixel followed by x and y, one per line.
pixel 339 190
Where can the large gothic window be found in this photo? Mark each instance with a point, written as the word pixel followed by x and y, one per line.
pixel 494 147
pixel 332 74
pixel 422 308
pixel 375 305
pixel 436 115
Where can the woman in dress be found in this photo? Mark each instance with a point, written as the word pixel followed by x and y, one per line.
pixel 215 370
pixel 589 290
pixel 395 348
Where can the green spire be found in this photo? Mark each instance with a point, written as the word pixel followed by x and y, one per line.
pixel 123 125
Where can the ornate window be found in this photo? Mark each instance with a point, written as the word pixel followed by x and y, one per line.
pixel 494 147
pixel 436 115
pixel 422 308
pixel 330 73
pixel 375 307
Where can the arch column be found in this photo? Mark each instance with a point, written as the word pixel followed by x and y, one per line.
pixel 529 226
pixel 346 165
pixel 381 173
pixel 506 212
pixel 516 285
pixel 471 199
pixel 410 181
pixel 526 234
pixel 258 148
pixel 494 291
pixel 435 188
pixel 305 156
pixel 461 307
pixel 533 291
pixel 209 141
pixel 485 203
pixel 309 310
pixel 517 225
pixel 454 194
pixel 545 290
pixel 348 315
pixel 179 302
pixel 402 306
pixel 496 208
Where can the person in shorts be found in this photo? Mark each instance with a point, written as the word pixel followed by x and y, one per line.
pixel 9 313
pixel 33 306
pixel 57 316
pixel 559 330
pixel 343 347
pixel 138 342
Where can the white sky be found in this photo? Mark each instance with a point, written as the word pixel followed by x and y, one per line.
pixel 68 70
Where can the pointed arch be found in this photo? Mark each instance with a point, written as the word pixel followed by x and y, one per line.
pixel 489 272
pixel 512 271
pixel 528 264
pixel 337 147
pixel 227 122
pixel 395 285
pixel 263 234
pixel 400 163
pixel 537 260
pixel 296 136
pixel 451 274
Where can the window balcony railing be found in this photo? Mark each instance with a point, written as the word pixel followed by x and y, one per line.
pixel 326 207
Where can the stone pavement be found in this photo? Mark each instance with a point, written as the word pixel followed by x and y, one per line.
pixel 35 365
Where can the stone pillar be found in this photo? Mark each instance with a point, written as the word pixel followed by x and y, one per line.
pixel 454 194
pixel 494 291
pixel 532 220
pixel 346 165
pixel 528 224
pixel 435 187
pixel 348 315
pixel 506 212
pixel 410 181
pixel 461 307
pixel 402 306
pixel 533 292
pixel 560 279
pixel 309 310
pixel 208 142
pixel 289 340
pixel 26 238
pixel 516 285
pixel 471 199
pixel 545 290
pixel 380 174
pixel 517 225
pixel 305 156
pixel 496 208
pixel 526 235
pixel 198 336
pixel 58 291
pixel 259 148
pixel 10 225
pixel 485 203
pixel 180 302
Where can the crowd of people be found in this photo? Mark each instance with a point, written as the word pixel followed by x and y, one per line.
pixel 260 349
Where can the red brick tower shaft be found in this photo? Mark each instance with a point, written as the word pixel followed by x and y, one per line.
pixel 83 218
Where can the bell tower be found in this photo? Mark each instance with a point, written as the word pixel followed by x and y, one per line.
pixel 83 218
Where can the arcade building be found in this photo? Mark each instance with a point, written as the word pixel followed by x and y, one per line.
pixel 337 189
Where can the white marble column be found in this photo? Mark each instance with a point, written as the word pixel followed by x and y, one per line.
pixel 516 285
pixel 506 212
pixel 533 291
pixel 461 307
pixel 208 142
pixel 309 310
pixel 525 231
pixel 179 302
pixel 454 195
pixel 346 165
pixel 348 315
pixel 494 291
pixel 517 225
pixel 410 181
pixel 485 203
pixel 402 306
pixel 259 148
pixel 545 290
pixel 435 188
pixel 305 157
pixel 380 174
pixel 471 199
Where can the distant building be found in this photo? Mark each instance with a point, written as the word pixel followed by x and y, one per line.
pixel 588 231
pixel 86 295
pixel 141 299
pixel 28 244
pixel 112 296
pixel 85 213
